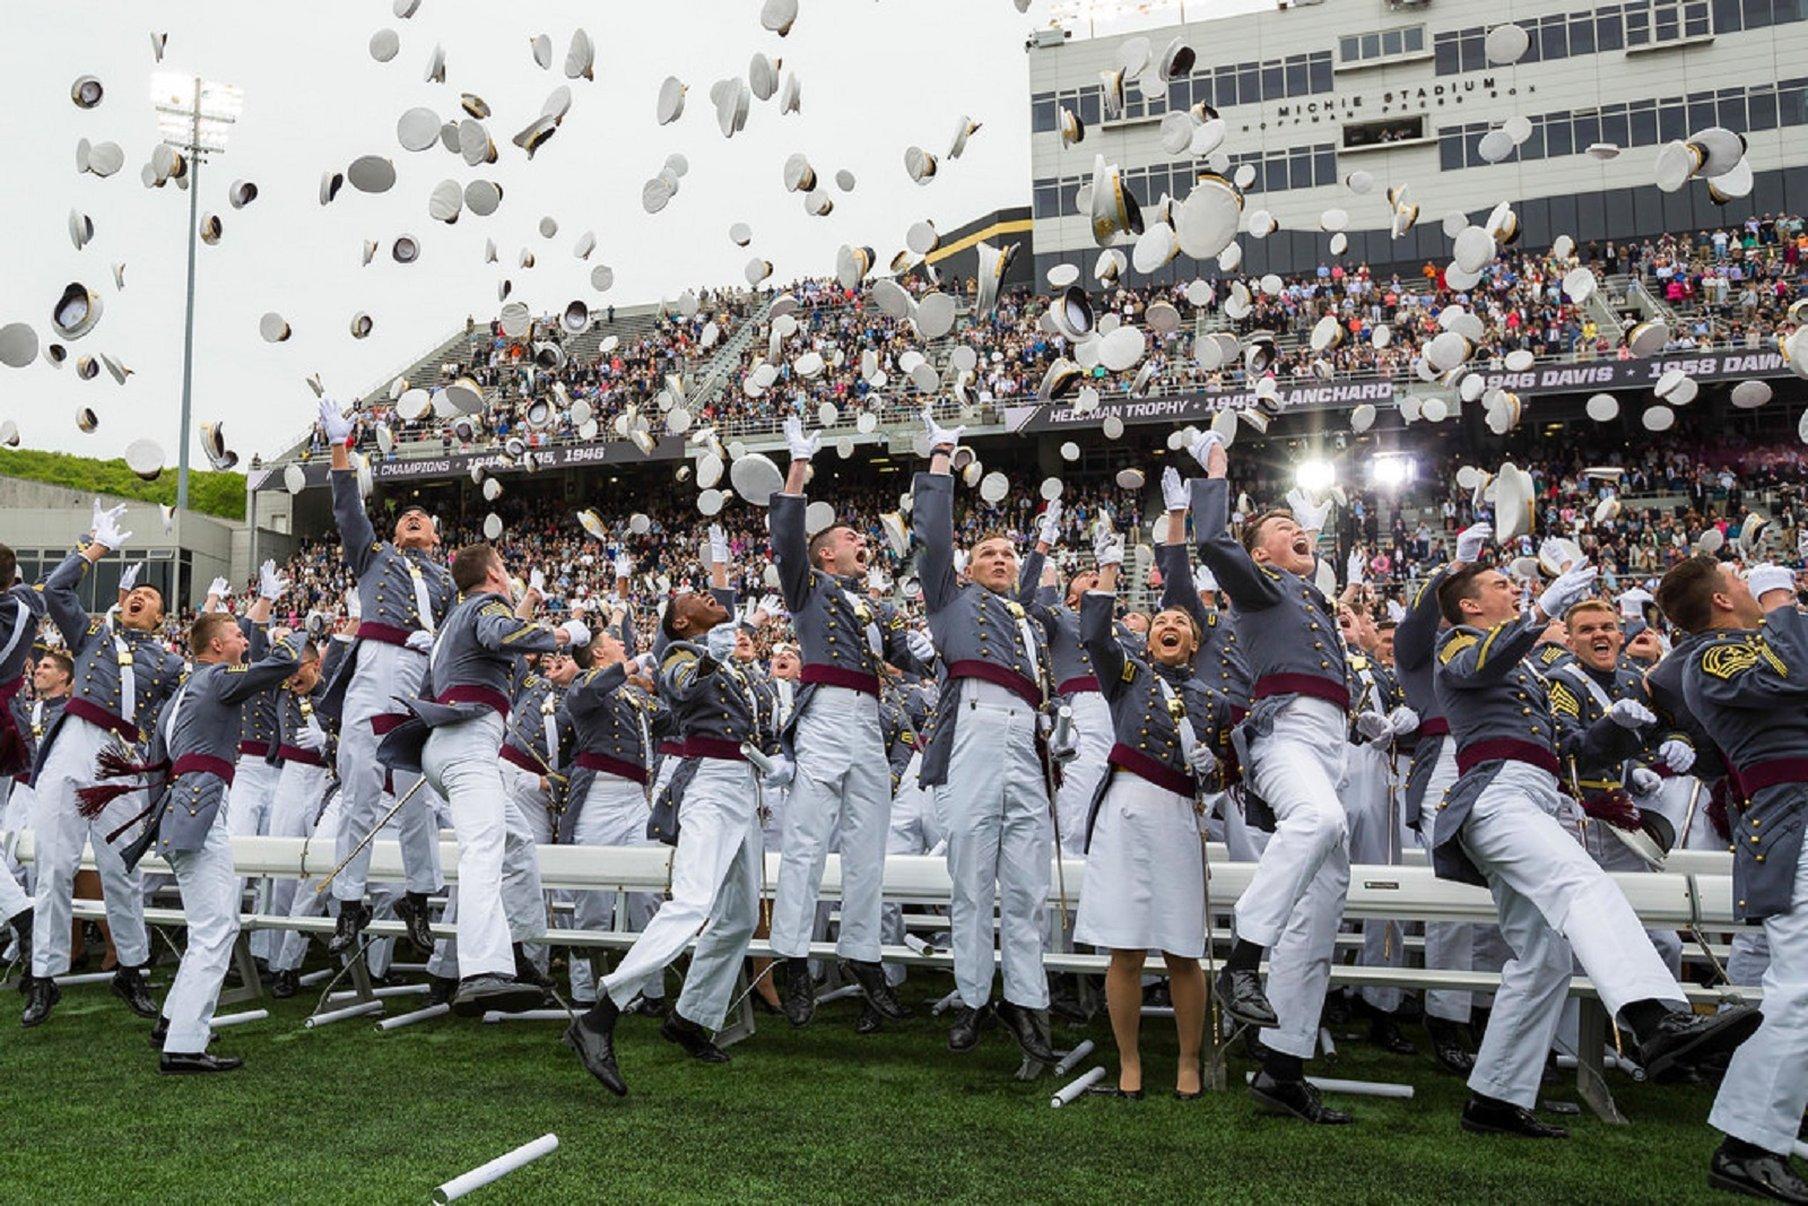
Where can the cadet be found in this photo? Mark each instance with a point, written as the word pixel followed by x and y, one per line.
pixel 454 738
pixel 1744 679
pixel 50 679
pixel 305 749
pixel 835 739
pixel 21 607
pixel 1498 827
pixel 123 675
pixel 403 593
pixel 983 761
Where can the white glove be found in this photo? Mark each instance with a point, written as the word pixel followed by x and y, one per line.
pixel 1307 514
pixel 1401 721
pixel 577 633
pixel 536 582
pixel 106 527
pixel 1571 587
pixel 1202 760
pixel 1108 548
pixel 960 561
pixel 420 640
pixel 721 640
pixel 311 736
pixel 803 445
pixel 783 772
pixel 1630 714
pixel 1048 528
pixel 941 439
pixel 1373 726
pixel 1472 540
pixel 1643 781
pixel 1174 493
pixel 1063 752
pixel 1765 578
pixel 271 584
pixel 649 665
pixel 354 605
pixel 129 579
pixel 1679 756
pixel 219 588
pixel 718 545
pixel 1202 445
pixel 624 566
pixel 919 644
pixel 338 427
pixel 1204 579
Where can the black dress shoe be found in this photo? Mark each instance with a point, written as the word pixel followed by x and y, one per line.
pixel 963 1035
pixel 693 1038
pixel 869 1021
pixel 1295 1097
pixel 41 996
pixel 479 994
pixel 1030 1028
pixel 879 995
pixel 650 1007
pixel 440 989
pixel 1687 1039
pixel 1490 1116
pixel 354 915
pixel 1449 1045
pixel 412 911
pixel 594 1043
pixel 285 984
pixel 1384 1032
pixel 1755 1173
pixel 797 992
pixel 1240 995
pixel 1065 1001
pixel 128 986
pixel 179 1064
pixel 1113 1091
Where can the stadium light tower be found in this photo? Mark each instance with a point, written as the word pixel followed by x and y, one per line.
pixel 194 116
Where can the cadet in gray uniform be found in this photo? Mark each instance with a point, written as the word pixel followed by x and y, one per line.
pixel 984 762
pixel 531 779
pixel 21 607
pixel 198 737
pixel 123 675
pixel 1292 749
pixel 454 738
pixel 305 748
pixel 31 719
pixel 1498 827
pixel 1746 679
pixel 403 593
pixel 841 785
pixel 716 869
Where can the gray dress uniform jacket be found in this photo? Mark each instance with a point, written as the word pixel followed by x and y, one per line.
pixel 102 653
pixel 388 610
pixel 200 741
pixel 32 719
pixel 467 674
pixel 1415 639
pixel 1749 687
pixel 21 608
pixel 1145 724
pixel 613 729
pixel 1580 697
pixel 258 735
pixel 1219 660
pixel 535 701
pixel 1499 709
pixel 293 712
pixel 1070 666
pixel 978 633
pixel 1664 682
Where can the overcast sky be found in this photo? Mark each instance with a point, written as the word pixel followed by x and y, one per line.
pixel 877 76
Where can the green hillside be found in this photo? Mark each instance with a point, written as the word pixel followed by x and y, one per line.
pixel 221 494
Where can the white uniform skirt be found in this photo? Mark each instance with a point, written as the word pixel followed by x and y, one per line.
pixel 1144 886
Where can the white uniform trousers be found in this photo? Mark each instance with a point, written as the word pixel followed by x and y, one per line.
pixel 1614 855
pixel 1080 777
pixel 842 787
pixel 210 902
pixel 248 806
pixel 1449 945
pixel 15 815
pixel 61 832
pixel 1683 801
pixel 1145 885
pixel 462 764
pixel 1295 899
pixel 298 792
pixel 383 674
pixel 1766 1087
pixel 614 814
pixel 523 899
pixel 1370 795
pixel 1552 899
pixel 915 829
pixel 1000 842
pixel 716 872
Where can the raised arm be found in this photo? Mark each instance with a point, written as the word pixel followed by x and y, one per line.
pixel 244 681
pixel 1248 585
pixel 1098 610
pixel 356 535
pixel 1468 662
pixel 790 545
pixel 500 630
pixel 1417 633
pixel 684 674
pixel 591 690
pixel 932 515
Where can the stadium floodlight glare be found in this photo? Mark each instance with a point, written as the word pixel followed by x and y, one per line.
pixel 1095 17
pixel 1391 472
pixel 195 116
pixel 1315 475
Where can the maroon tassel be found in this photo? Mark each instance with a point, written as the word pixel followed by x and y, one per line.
pixel 114 836
pixel 94 800
pixel 115 763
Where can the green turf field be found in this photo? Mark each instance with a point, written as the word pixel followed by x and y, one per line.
pixel 345 1114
